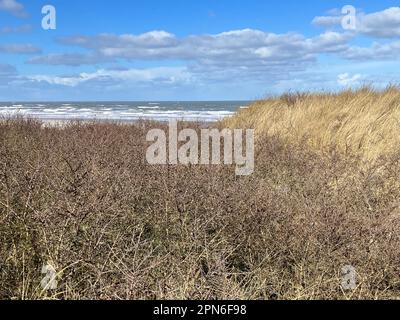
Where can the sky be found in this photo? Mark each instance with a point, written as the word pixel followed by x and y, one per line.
pixel 194 49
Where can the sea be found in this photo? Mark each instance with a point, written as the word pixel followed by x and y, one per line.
pixel 202 111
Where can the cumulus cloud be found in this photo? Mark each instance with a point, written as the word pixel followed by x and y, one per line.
pixel 381 24
pixel 245 51
pixel 385 24
pixel 247 54
pixel 377 51
pixel 14 7
pixel 236 44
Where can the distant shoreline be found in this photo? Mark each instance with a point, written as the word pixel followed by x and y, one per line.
pixel 197 111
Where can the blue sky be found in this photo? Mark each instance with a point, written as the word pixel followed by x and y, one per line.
pixel 193 50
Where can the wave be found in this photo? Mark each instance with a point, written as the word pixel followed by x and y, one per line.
pixel 186 111
pixel 147 107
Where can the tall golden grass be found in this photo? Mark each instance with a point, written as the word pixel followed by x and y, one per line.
pixel 365 122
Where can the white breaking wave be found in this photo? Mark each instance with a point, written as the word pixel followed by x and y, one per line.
pixel 185 111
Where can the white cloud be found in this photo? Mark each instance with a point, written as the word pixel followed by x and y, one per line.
pixel 235 45
pixel 385 24
pixel 246 54
pixel 346 80
pixel 237 55
pixel 377 51
pixel 381 24
pixel 169 76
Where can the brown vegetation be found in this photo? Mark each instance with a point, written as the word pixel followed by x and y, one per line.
pixel 83 198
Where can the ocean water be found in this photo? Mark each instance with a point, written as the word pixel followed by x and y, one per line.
pixel 204 111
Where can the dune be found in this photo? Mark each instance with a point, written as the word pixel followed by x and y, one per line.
pixel 363 122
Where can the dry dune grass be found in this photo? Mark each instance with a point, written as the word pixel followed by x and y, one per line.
pixel 83 198
pixel 364 122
